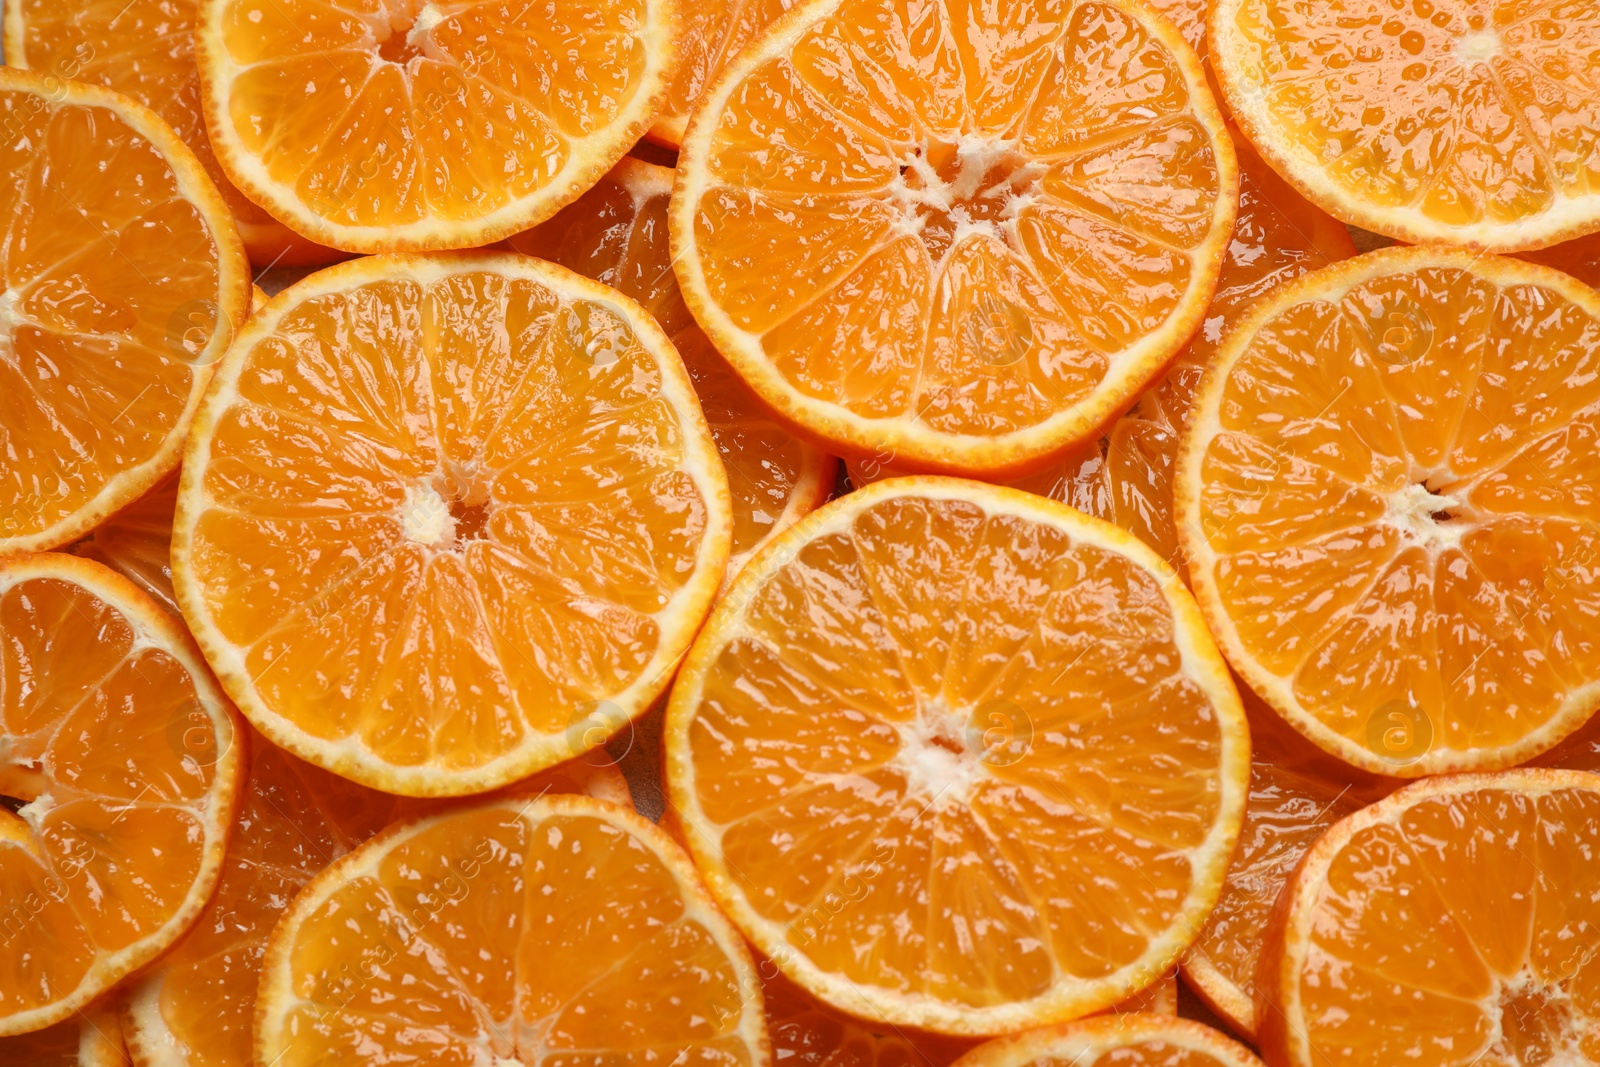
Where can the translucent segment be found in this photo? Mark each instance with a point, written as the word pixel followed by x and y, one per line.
pixel 137 542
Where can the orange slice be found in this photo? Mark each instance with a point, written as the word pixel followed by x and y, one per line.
pixel 194 1007
pixel 91 1038
pixel 1452 924
pixel 118 774
pixel 446 521
pixel 514 931
pixel 425 124
pixel 1469 122
pixel 1012 762
pixel 616 233
pixel 124 281
pixel 1297 791
pixel 804 1030
pixel 1009 242
pixel 1579 258
pixel 1114 1041
pixel 144 49
pixel 136 542
pixel 713 34
pixel 1383 502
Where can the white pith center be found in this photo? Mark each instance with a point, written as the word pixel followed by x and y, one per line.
pixel 1480 46
pixel 920 185
pixel 425 516
pixel 1413 508
pixel 1549 1000
pixel 938 763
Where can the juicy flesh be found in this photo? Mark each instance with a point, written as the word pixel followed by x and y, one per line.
pixel 447 520
pixel 1477 111
pixel 1398 501
pixel 988 829
pixel 616 233
pixel 106 781
pixel 1461 933
pixel 508 943
pixel 109 293
pixel 803 1030
pixel 389 112
pixel 987 229
pixel 713 34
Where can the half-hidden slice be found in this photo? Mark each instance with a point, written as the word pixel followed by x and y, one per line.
pixel 1384 502
pixel 1114 1041
pixel 136 542
pixel 511 931
pixel 89 1038
pixel 964 257
pixel 960 758
pixel 1454 923
pixel 714 32
pixel 120 764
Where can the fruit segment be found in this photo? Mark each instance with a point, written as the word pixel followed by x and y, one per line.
pixel 1124 1041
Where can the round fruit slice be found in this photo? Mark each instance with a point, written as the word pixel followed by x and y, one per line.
pixel 513 931
pixel 1297 791
pixel 118 773
pixel 194 1007
pixel 91 1038
pixel 1012 761
pixel 1469 122
pixel 1383 500
pixel 617 234
pixel 446 521
pixel 1115 1041
pixel 125 280
pixel 1454 923
pixel 144 49
pixel 713 34
pixel 407 126
pixel 1009 242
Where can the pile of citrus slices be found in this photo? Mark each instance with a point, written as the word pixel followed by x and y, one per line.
pixel 860 533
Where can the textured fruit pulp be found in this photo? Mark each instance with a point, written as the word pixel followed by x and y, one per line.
pixel 137 542
pixel 103 255
pixel 713 34
pixel 981 791
pixel 1461 932
pixel 1427 534
pixel 616 233
pixel 103 803
pixel 989 229
pixel 516 952
pixel 417 485
pixel 403 111
pixel 1471 111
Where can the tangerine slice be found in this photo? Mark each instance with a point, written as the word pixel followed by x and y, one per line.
pixel 124 280
pixel 118 778
pixel 1579 257
pixel 136 542
pixel 1450 924
pixel 1470 122
pixel 1114 1041
pixel 616 234
pixel 446 521
pixel 1010 241
pixel 959 758
pixel 404 125
pixel 547 930
pixel 144 49
pixel 803 1030
pixel 1383 500
pixel 91 1038
pixel 713 34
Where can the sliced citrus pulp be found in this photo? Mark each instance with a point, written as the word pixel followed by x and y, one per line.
pixel 1141 1040
pixel 91 1038
pixel 1452 924
pixel 555 929
pixel 1469 122
pixel 124 281
pixel 119 765
pixel 713 33
pixel 616 233
pixel 803 1030
pixel 446 521
pixel 144 49
pixel 194 1007
pixel 946 256
pixel 959 758
pixel 1383 500
pixel 409 125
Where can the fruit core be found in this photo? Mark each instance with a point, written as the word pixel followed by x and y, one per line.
pixel 949 190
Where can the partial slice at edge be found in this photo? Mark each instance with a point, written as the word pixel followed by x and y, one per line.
pixel 1115 1041
pixel 91 1038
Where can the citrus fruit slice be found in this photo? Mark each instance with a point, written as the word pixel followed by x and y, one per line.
pixel 1450 924
pixel 713 33
pixel 124 281
pixel 193 1008
pixel 1469 123
pixel 1579 257
pixel 1004 725
pixel 91 1038
pixel 1115 1041
pixel 446 521
pixel 513 931
pixel 1011 243
pixel 136 542
pixel 410 125
pixel 616 233
pixel 1297 791
pixel 804 1030
pixel 118 774
pixel 1382 498
pixel 144 49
